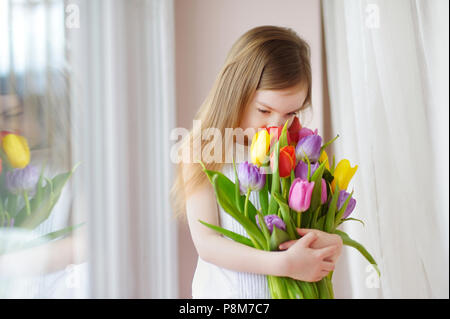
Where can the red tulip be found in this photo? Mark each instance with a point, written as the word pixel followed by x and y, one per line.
pixel 292 132
pixel 286 161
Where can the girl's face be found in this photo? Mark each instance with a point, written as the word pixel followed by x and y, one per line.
pixel 273 107
pixel 14 119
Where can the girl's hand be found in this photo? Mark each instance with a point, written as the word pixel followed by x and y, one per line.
pixel 324 239
pixel 302 262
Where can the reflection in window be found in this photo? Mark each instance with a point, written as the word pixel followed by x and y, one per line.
pixel 35 105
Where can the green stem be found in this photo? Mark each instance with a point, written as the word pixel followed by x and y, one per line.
pixel 284 182
pixel 299 219
pixel 246 202
pixel 27 202
pixel 8 219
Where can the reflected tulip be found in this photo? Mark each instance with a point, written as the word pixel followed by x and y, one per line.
pixel 17 150
pixel 22 180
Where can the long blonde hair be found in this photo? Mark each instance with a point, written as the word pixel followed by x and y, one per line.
pixel 266 58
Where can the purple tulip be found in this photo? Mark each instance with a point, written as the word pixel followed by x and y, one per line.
pixel 300 195
pixel 343 195
pixel 301 170
pixel 250 177
pixel 311 146
pixel 21 180
pixel 272 220
pixel 304 131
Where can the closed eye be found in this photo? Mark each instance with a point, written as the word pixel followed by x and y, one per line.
pixel 266 112
pixel 263 111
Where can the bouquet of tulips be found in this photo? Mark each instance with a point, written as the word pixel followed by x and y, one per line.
pixel 297 189
pixel 27 197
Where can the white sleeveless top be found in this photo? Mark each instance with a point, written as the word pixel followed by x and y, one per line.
pixel 211 281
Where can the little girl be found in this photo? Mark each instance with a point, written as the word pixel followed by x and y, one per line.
pixel 265 81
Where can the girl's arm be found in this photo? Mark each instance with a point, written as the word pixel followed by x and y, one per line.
pixel 299 261
pixel 45 258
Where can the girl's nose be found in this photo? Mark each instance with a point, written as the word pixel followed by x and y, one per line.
pixel 277 120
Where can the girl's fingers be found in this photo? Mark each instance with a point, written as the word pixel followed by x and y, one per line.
pixel 327 251
pixel 327 266
pixel 308 239
pixel 304 231
pixel 287 244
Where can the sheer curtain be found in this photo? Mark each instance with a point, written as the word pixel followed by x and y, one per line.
pixel 123 92
pixel 387 67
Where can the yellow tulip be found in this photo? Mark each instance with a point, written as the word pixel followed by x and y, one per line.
pixel 324 157
pixel 343 174
pixel 260 147
pixel 17 150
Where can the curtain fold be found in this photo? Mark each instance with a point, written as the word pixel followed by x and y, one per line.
pixel 386 88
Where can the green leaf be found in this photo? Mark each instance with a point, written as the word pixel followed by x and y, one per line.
pixel 346 219
pixel 321 223
pixel 352 243
pixel 237 191
pixel 12 205
pixel 293 288
pixel 329 221
pixel 264 197
pixel 278 236
pixel 308 289
pixel 328 143
pixel 273 206
pixel 264 229
pixel 283 136
pixel 327 176
pixel 316 195
pixel 322 286
pixel 42 206
pixel 236 237
pixel 61 232
pixel 315 217
pixel 227 188
pixel 225 201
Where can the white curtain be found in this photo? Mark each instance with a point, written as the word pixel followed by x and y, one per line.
pixel 123 97
pixel 387 67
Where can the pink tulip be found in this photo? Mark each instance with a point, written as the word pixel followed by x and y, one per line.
pixel 300 194
pixel 323 194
